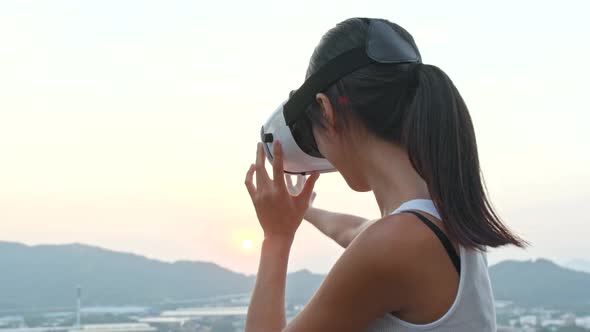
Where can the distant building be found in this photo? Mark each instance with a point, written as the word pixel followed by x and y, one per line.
pixel 164 320
pixel 206 312
pixel 11 322
pixel 528 320
pixel 508 329
pixel 583 322
pixel 125 327
pixel 78 305
pixel 569 319
pixel 36 329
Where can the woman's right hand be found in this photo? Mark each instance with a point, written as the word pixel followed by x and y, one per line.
pixel 295 189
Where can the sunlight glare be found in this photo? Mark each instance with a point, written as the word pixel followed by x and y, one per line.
pixel 247 244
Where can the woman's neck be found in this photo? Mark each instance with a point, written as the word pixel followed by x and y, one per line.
pixel 392 177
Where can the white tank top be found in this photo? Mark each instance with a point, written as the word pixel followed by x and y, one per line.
pixel 473 308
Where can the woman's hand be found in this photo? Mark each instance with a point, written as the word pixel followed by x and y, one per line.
pixel 279 212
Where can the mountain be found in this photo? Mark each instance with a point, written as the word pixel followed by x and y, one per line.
pixel 46 276
pixel 532 283
pixel 301 286
pixel 540 283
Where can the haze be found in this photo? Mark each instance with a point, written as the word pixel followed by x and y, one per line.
pixel 130 124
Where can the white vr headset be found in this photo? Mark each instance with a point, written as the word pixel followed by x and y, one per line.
pixel 290 124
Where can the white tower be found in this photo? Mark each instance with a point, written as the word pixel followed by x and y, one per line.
pixel 79 305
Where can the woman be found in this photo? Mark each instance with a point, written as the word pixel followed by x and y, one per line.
pixel 404 133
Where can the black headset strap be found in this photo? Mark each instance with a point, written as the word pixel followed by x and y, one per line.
pixel 328 74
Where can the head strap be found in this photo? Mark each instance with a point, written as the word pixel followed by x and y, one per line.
pixel 383 45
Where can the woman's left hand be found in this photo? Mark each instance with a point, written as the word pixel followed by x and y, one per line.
pixel 279 212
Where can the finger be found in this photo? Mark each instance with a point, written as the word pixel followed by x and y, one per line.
pixel 249 184
pixel 261 175
pixel 308 187
pixel 277 164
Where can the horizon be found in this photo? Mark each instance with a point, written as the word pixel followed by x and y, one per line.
pixel 565 265
pixel 129 125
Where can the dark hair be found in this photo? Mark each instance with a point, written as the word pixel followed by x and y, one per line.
pixel 419 108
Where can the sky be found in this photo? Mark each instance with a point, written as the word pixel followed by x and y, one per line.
pixel 130 124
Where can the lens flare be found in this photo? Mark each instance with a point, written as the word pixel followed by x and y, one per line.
pixel 247 244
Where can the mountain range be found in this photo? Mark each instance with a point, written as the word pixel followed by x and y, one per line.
pixel 46 276
pixel 540 283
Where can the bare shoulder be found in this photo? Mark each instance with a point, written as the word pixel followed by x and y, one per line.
pixel 369 279
pixel 392 247
pixel 376 274
pixel 402 246
pixel 399 246
pixel 396 235
pixel 380 244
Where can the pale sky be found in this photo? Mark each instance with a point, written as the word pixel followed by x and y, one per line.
pixel 130 124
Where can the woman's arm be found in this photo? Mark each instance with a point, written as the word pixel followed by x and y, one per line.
pixel 363 285
pixel 266 312
pixel 340 227
pixel 279 214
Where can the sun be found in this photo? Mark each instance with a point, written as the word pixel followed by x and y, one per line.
pixel 247 244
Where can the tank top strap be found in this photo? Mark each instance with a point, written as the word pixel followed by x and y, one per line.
pixel 426 205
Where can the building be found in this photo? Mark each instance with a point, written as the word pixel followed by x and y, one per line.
pixel 125 327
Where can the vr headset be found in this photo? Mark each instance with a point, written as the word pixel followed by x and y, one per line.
pixel 290 124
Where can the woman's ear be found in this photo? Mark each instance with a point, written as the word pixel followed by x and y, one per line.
pixel 326 109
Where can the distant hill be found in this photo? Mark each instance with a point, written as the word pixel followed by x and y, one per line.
pixel 540 283
pixel 532 283
pixel 301 286
pixel 46 276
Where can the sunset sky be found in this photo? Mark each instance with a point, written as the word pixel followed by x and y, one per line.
pixel 130 124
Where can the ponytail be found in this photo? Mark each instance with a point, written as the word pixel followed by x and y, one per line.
pixel 438 135
pixel 418 108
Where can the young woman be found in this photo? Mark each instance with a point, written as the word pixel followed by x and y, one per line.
pixel 405 134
